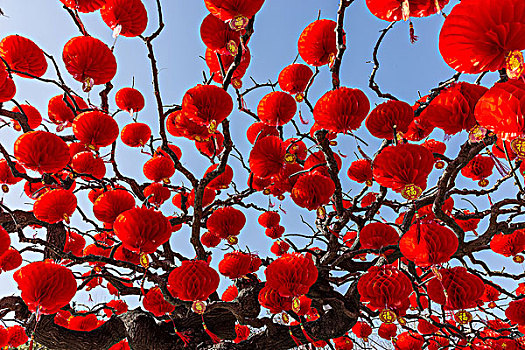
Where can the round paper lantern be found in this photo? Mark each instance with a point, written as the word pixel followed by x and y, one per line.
pixel 294 79
pixel 343 343
pixel 291 275
pixel 361 171
pixel 428 243
pixel 269 219
pixel 111 204
pixel 129 99
pixel 341 110
pixel 84 5
pixel 384 287
pixel 230 293
pixel 5 240
pixel 243 332
pixel 276 108
pixel 75 243
pixel 404 168
pixel 159 168
pixel 508 244
pixel 179 124
pixel 317 43
pixel 155 303
pixel 463 289
pixel 88 163
pixel 135 134
pixel 218 36
pixel 312 191
pixel 34 119
pixel 516 312
pixel 4 336
pixel 83 323
pixel 10 260
pixel 17 336
pixel 394 10
pixel 157 194
pixel 207 105
pixel 389 116
pixel 55 206
pixel 193 280
pixel 478 35
pixel 271 299
pixel 212 147
pixel 279 248
pixel 362 330
pixel 409 341
pixel 6 176
pixel 235 12
pixel 210 239
pixel 131 15
pixel 41 151
pixel 89 61
pixel 387 331
pixel 258 130
pixel 95 129
pixel 59 112
pixel 7 90
pixel 318 161
pixel 238 264
pixel 22 54
pixel 124 254
pixel 295 149
pixel 478 169
pixel 267 156
pixel 212 61
pixel 142 230
pixel 222 181
pixel 225 222
pixel 46 286
pixel 500 110
pixel 378 235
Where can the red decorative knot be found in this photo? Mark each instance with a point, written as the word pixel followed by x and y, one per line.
pixel 387 316
pixel 463 317
pixel 518 146
pixel 232 47
pixel 514 64
pixel 440 164
pixel 518 259
pixel 299 97
pixel 199 307
pixel 238 22
pixel 290 158
pixel 232 240
pixel 411 192
pixel 144 260
pixel 476 134
pixel 483 182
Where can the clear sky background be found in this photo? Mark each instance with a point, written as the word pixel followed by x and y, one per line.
pixel 406 70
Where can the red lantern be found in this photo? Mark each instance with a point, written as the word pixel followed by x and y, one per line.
pixel 23 55
pixel 428 243
pixel 269 298
pixel 258 130
pixel 508 244
pixel 6 176
pixel 122 345
pixel 362 330
pixel 409 341
pixel 238 264
pixel 142 230
pixel 235 12
pixel 123 254
pixel 89 61
pixel 312 191
pixel 463 289
pixel 516 312
pixel 500 110
pixel 34 119
pixel 84 5
pixel 111 204
pixel 211 147
pixel 207 105
pixel 157 194
pixel 131 15
pixel 490 295
pixel 7 90
pixel 269 219
pixel 210 239
pixel 361 171
pixel 426 327
pixel 384 287
pixel 60 112
pixel 274 232
pixel 404 168
pixel 5 241
pixel 194 280
pixel 317 43
pixel 314 160
pixel 207 198
pixel 212 61
pixel 403 9
pixel 179 124
pixel 279 248
pixel 388 117
pixel 135 134
pixel 478 169
pixel 75 243
pixel 88 163
pixel 294 79
pixel 230 293
pixel 46 287
pixel 341 110
pixel 225 222
pixel 83 323
pixel 10 260
pixel 267 156
pixel 387 331
pixel 41 151
pixel 155 303
pixel 222 181
pixel 129 99
pixel 219 37
pixel 378 235
pixel 159 168
pixel 418 129
pixel 295 149
pixel 489 31
pixel 243 332
pixel 55 206
pixel 17 336
pixel 276 108
pixel 291 275
pixel 95 129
